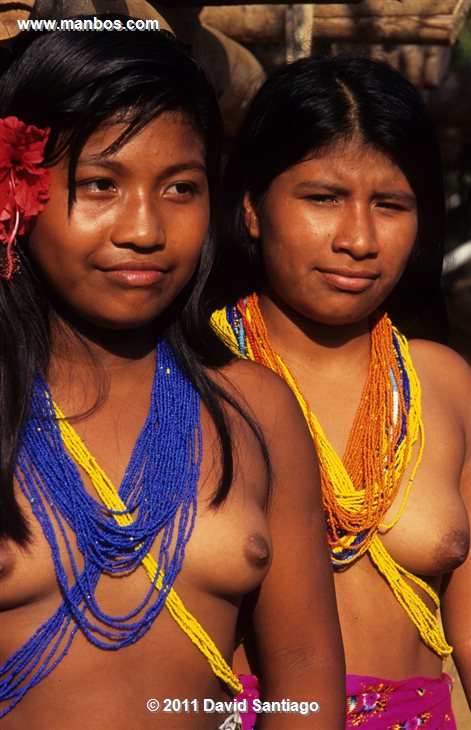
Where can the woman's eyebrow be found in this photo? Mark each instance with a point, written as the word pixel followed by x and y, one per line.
pixel 321 185
pixel 400 195
pixel 184 166
pixel 108 164
pixel 326 186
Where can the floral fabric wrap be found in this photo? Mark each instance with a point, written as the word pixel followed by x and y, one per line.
pixel 250 691
pixel 409 704
pixel 244 720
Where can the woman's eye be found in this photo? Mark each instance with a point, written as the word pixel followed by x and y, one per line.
pixel 322 199
pixel 391 206
pixel 99 185
pixel 182 189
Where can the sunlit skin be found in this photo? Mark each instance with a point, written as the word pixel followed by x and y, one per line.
pixel 113 266
pixel 336 232
pixel 135 232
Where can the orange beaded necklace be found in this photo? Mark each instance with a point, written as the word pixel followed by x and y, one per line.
pixel 358 492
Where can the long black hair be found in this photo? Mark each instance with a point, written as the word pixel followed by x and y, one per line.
pixel 73 83
pixel 301 110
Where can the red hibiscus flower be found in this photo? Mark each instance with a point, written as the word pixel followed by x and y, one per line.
pixel 24 184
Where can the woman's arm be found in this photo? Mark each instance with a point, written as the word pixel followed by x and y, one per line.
pixel 456 599
pixel 296 634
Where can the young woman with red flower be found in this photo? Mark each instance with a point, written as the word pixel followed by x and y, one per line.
pixel 110 375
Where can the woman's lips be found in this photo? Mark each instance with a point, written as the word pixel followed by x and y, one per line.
pixel 134 274
pixel 349 281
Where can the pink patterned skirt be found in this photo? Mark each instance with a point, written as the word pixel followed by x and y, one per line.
pixel 251 691
pixel 386 704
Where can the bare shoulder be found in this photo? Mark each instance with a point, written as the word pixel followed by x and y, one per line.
pixel 264 393
pixel 439 360
pixel 241 371
pixel 446 371
pixel 442 355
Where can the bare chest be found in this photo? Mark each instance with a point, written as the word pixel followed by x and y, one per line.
pixel 432 534
pixel 226 555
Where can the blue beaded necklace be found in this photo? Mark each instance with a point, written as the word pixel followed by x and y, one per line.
pixel 159 489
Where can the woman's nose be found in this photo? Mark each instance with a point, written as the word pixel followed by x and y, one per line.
pixel 139 223
pixel 356 233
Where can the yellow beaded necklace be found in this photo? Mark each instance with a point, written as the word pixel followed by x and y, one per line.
pixel 358 492
pixel 110 498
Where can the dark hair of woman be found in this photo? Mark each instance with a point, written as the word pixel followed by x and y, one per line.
pixel 73 84
pixel 301 111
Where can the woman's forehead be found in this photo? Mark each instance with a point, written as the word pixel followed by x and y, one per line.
pixel 114 132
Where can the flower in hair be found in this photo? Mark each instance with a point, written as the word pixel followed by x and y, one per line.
pixel 24 184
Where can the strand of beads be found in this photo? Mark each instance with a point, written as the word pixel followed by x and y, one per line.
pixel 358 491
pixel 159 489
pixel 111 499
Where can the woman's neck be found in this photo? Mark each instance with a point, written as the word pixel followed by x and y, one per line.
pixel 88 362
pixel 301 339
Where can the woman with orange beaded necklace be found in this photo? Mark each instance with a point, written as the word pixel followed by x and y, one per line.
pixel 332 223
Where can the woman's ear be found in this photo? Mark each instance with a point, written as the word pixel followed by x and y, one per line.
pixel 251 220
